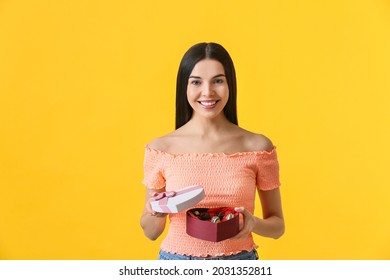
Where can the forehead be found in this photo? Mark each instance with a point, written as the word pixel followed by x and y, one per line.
pixel 208 68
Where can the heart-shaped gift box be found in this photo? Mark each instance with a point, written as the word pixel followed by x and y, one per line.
pixel 201 224
pixel 177 201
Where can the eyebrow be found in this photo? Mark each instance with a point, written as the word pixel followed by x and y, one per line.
pixel 216 76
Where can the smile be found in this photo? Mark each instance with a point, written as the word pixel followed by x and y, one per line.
pixel 208 103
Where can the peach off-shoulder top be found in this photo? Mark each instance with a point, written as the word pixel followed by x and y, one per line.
pixel 228 180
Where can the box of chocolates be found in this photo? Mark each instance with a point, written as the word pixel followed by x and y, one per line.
pixel 212 224
pixel 177 201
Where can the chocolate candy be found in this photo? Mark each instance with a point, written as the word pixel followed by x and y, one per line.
pixel 215 219
pixel 196 213
pixel 229 216
pixel 220 215
pixel 204 216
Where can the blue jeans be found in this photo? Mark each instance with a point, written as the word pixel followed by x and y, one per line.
pixel 244 255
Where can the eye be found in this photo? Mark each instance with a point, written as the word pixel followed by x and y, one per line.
pixel 218 81
pixel 195 82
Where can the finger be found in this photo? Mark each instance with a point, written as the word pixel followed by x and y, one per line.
pixel 242 210
pixel 242 215
pixel 148 206
pixel 245 215
pixel 152 193
pixel 151 211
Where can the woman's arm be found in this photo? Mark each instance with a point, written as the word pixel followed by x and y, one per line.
pixel 272 224
pixel 152 223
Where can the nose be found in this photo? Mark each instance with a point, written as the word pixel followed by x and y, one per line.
pixel 207 90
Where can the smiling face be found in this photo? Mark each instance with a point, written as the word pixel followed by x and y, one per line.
pixel 207 90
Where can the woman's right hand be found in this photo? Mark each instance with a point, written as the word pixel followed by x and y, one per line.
pixel 152 222
pixel 148 207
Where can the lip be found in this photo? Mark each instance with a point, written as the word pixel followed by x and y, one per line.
pixel 201 102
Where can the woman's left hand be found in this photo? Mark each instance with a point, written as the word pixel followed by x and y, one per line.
pixel 247 222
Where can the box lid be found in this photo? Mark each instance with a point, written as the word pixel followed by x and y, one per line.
pixel 177 201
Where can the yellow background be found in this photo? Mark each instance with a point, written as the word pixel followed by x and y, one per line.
pixel 85 84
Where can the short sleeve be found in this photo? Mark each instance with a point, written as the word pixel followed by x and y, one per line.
pixel 267 171
pixel 153 170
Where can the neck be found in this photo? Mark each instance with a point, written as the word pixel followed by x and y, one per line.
pixel 209 127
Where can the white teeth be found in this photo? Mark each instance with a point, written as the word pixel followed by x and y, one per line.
pixel 208 103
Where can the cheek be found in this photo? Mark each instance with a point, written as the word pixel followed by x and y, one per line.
pixel 226 93
pixel 191 95
pixel 225 97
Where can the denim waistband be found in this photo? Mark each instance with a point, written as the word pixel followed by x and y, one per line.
pixel 244 255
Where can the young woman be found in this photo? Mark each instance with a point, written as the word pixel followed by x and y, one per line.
pixel 208 148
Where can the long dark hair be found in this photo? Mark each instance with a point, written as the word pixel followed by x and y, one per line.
pixel 191 57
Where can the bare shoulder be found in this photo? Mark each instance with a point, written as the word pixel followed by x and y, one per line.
pixel 163 143
pixel 257 142
pixel 158 144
